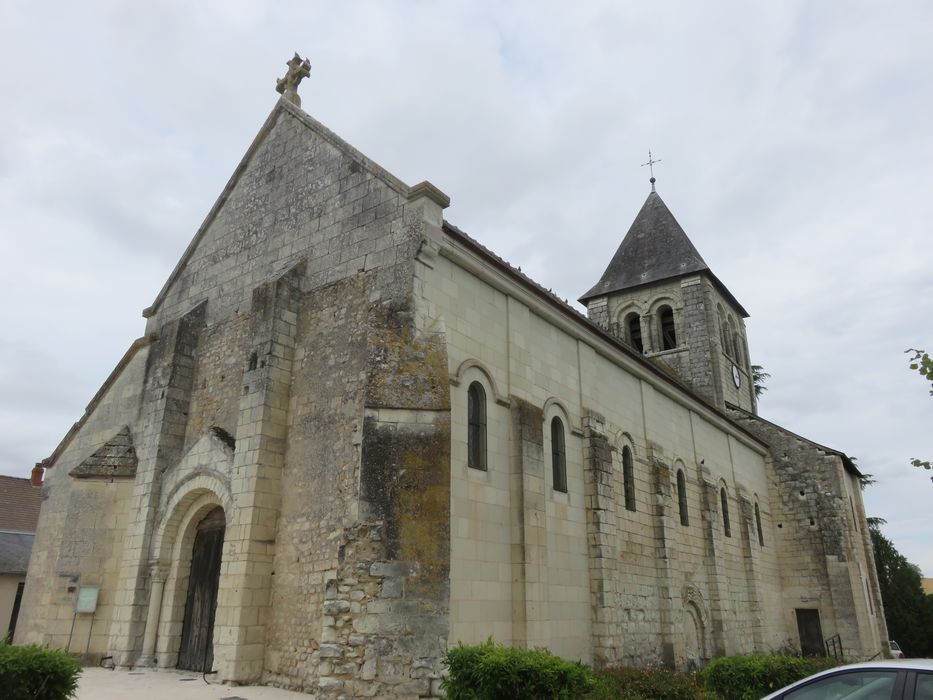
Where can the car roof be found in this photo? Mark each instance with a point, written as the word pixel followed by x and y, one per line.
pixel 884 664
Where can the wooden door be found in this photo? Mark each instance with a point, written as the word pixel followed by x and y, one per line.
pixel 811 633
pixel 197 634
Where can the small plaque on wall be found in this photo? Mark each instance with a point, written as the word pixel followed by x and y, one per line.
pixel 87 599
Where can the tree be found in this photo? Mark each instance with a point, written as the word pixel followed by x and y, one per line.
pixel 908 612
pixel 758 379
pixel 923 364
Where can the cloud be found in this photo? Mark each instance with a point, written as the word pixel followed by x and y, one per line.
pixel 794 141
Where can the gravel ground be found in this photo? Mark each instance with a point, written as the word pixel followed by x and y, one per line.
pixel 146 684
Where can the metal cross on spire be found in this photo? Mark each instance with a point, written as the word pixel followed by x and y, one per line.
pixel 298 68
pixel 650 164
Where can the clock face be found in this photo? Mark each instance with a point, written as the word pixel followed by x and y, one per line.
pixel 736 377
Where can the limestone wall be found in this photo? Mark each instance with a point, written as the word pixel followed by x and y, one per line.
pixel 81 524
pixel 523 554
pixel 300 193
pixel 824 552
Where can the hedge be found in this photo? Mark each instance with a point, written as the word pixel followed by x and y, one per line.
pixel 37 673
pixel 650 684
pixel 751 677
pixel 493 672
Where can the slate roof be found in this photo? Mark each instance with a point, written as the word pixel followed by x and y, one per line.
pixel 19 504
pixel 655 248
pixel 117 457
pixel 15 548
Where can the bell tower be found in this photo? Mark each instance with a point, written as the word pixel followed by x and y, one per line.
pixel 660 297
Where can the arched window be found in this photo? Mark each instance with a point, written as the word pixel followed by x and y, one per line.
pixel 668 334
pixel 558 455
pixel 628 478
pixel 737 341
pixel 732 336
pixel 761 534
pixel 723 329
pixel 633 331
pixel 476 430
pixel 726 525
pixel 682 497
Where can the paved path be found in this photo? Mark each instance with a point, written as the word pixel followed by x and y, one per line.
pixel 145 684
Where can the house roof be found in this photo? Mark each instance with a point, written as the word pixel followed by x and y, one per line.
pixel 655 248
pixel 15 548
pixel 19 504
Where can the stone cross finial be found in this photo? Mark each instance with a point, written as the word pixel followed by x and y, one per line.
pixel 298 68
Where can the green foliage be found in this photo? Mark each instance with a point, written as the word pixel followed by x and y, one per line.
pixel 751 677
pixel 758 379
pixel 921 362
pixel 493 672
pixel 37 673
pixel 907 611
pixel 650 684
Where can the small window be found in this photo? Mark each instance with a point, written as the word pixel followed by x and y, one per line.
pixel 558 455
pixel 633 331
pixel 476 430
pixel 628 478
pixel 682 497
pixel 668 334
pixel 726 525
pixel 761 534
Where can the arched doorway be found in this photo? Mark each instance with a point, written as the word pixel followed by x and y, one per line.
pixel 694 638
pixel 197 636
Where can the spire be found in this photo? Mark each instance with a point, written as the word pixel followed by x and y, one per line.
pixel 655 248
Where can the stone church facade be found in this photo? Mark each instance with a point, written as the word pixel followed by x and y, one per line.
pixel 352 436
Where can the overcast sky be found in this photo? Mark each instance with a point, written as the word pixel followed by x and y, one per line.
pixel 794 137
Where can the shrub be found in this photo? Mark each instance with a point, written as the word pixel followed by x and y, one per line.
pixel 493 672
pixel 37 673
pixel 751 677
pixel 651 684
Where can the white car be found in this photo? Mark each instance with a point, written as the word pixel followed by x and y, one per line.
pixel 895 650
pixel 896 679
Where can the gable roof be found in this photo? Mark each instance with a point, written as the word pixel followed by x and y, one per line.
pixel 655 248
pixel 19 504
pixel 15 548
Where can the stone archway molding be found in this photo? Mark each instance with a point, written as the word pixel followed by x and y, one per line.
pixel 188 502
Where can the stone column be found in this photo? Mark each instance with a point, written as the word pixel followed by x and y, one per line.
pixel 713 526
pixel 665 556
pixel 262 427
pixel 602 536
pixel 752 553
pixel 529 482
pixel 157 586
pixel 647 334
pixel 166 400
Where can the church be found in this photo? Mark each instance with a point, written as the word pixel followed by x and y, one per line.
pixel 351 436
